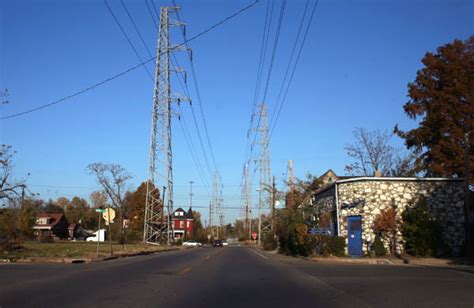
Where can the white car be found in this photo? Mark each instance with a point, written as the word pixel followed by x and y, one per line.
pixel 191 244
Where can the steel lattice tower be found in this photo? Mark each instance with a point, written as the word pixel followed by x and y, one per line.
pixel 157 224
pixel 264 167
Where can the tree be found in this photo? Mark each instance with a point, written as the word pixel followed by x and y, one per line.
pixel 372 152
pixel 442 102
pixel 135 204
pixel 421 232
pixel 386 226
pixel 200 234
pixel 114 181
pixel 27 219
pixel 10 189
pixel 79 212
pixel 98 199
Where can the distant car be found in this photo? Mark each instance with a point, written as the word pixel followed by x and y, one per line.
pixel 225 243
pixel 191 244
pixel 217 243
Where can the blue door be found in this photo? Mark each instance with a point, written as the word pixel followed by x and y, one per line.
pixel 354 235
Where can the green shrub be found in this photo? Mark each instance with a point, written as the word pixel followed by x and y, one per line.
pixel 269 242
pixel 337 246
pixel 325 245
pixel 378 247
pixel 422 233
pixel 133 236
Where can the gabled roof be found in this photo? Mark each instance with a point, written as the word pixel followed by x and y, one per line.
pixel 186 215
pixel 189 214
pixel 54 218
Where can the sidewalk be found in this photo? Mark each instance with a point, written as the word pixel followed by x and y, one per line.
pixel 454 264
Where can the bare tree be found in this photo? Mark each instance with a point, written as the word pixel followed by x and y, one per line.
pixel 98 199
pixel 10 189
pixel 114 181
pixel 371 151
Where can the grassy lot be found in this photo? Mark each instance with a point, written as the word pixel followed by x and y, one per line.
pixel 74 250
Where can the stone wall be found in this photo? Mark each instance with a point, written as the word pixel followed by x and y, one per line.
pixel 369 197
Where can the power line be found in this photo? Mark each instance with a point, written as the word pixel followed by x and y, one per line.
pixel 261 61
pixel 151 14
pixel 127 37
pixel 198 93
pixel 275 44
pixel 294 67
pixel 98 84
pixel 295 44
pixel 136 28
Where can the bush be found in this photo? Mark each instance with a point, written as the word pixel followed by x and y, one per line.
pixel 337 246
pixel 422 233
pixel 325 245
pixel 378 247
pixel 269 242
pixel 132 236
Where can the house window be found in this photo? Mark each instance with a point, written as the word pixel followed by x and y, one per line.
pixel 181 224
pixel 42 221
pixel 187 224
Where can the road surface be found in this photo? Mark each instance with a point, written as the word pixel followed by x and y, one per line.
pixel 231 277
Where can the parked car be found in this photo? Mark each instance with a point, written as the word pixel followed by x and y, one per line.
pixel 225 243
pixel 217 243
pixel 191 244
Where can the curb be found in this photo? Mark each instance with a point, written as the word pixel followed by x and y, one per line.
pixel 353 261
pixel 81 260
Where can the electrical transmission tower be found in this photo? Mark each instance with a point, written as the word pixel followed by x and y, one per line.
pixel 157 220
pixel 264 223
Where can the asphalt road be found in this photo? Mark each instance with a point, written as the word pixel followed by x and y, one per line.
pixel 230 277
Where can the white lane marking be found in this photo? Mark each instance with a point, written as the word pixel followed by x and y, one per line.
pixel 259 254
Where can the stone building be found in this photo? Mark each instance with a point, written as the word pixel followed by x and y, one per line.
pixel 355 202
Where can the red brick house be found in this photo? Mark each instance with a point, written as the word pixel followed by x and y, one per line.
pixel 183 223
pixel 53 225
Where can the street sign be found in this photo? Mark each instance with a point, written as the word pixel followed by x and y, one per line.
pixel 319 231
pixel 108 215
pixel 254 235
pixel 100 210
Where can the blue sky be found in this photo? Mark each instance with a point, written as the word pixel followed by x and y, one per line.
pixel 354 70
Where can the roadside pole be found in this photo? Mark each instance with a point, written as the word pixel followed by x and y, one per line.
pixel 98 234
pixel 110 232
pixel 100 211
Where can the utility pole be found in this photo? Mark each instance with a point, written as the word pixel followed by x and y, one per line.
pixel 157 222
pixel 191 194
pixel 291 199
pixel 273 204
pixel 246 201
pixel 210 219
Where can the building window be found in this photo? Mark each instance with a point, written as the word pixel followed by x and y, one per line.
pixel 181 224
pixel 187 224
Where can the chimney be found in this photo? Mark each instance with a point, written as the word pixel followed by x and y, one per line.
pixel 377 173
